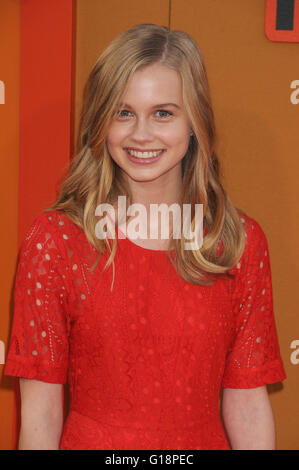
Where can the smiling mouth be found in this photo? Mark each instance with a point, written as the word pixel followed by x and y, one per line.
pixel 144 154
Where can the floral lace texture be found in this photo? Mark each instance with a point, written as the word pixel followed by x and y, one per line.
pixel 145 363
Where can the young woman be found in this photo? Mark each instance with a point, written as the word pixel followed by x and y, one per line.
pixel 145 332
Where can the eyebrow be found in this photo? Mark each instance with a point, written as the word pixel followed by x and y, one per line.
pixel 155 106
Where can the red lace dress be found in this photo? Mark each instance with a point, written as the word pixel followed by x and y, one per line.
pixel 145 363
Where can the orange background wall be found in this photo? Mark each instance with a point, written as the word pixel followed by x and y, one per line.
pixel 9 162
pixel 257 125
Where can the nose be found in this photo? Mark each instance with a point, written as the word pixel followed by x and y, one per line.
pixel 142 131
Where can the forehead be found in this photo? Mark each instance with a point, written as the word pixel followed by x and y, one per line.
pixel 154 84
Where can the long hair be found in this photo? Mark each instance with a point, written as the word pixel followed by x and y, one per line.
pixel 93 178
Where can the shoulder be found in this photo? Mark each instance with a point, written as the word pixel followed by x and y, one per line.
pixel 52 230
pixel 254 233
pixel 53 219
pixel 57 223
pixel 256 249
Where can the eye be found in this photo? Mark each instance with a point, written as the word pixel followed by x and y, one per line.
pixel 124 113
pixel 168 113
pixel 120 115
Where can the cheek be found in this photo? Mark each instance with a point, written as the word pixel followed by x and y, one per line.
pixel 115 136
pixel 178 137
pixel 177 132
pixel 111 141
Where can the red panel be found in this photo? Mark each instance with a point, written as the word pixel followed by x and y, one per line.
pixel 45 102
pixel 46 110
pixel 270 23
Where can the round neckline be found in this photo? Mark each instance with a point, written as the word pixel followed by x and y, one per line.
pixel 130 242
pixel 145 249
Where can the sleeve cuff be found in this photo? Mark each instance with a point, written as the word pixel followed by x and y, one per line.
pixel 45 371
pixel 269 373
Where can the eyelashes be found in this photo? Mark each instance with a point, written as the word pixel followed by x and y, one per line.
pixel 122 117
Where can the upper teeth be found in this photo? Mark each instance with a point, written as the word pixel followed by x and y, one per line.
pixel 144 154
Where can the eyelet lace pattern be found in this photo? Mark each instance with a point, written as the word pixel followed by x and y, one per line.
pixel 145 363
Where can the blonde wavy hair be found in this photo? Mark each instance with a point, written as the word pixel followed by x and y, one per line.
pixel 93 178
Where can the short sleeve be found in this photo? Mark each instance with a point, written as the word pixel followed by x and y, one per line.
pixel 38 347
pixel 253 358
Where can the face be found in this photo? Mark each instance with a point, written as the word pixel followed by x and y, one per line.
pixel 150 134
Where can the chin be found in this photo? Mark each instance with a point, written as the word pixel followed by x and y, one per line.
pixel 143 178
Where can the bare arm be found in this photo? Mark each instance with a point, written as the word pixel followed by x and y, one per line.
pixel 41 415
pixel 248 418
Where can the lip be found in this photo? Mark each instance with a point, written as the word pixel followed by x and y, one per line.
pixel 144 161
pixel 143 150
